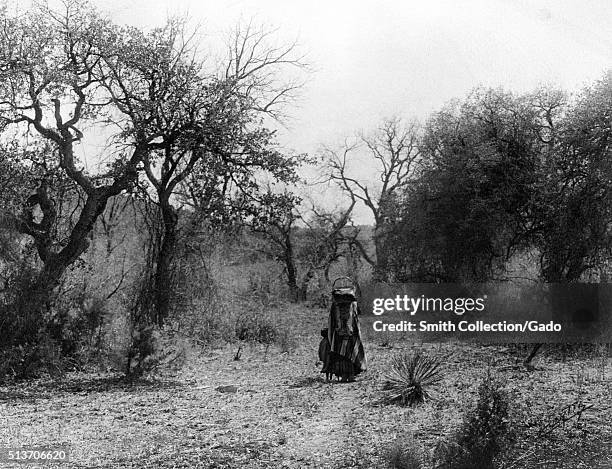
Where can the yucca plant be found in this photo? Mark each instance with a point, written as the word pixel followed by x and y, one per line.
pixel 409 378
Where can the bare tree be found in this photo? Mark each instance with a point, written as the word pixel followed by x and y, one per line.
pixel 304 245
pixel 111 220
pixel 392 151
pixel 210 140
pixel 328 243
pixel 260 69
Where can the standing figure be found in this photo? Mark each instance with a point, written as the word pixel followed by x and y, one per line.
pixel 341 349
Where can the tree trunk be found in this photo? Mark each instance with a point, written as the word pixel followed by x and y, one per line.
pixel 55 264
pixel 165 259
pixel 37 299
pixel 303 291
pixel 553 275
pixel 380 269
pixel 532 354
pixel 294 290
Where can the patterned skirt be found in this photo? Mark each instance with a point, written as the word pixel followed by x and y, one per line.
pixel 346 357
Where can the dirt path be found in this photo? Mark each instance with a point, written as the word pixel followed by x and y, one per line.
pixel 327 432
pixel 275 410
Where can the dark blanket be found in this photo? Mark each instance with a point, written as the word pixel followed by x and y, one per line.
pixel 346 355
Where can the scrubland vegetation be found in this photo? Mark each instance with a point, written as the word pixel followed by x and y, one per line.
pixel 164 308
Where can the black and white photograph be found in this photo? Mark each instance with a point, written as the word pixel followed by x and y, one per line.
pixel 250 234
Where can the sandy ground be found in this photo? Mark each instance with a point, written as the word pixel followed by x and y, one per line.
pixel 273 409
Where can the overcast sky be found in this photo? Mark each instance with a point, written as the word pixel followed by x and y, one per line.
pixel 377 59
pixel 374 59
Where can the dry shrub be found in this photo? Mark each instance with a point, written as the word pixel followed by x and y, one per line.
pixel 256 327
pixel 42 332
pixel 482 435
pixel 404 454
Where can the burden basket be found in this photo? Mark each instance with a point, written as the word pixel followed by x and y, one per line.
pixel 341 350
